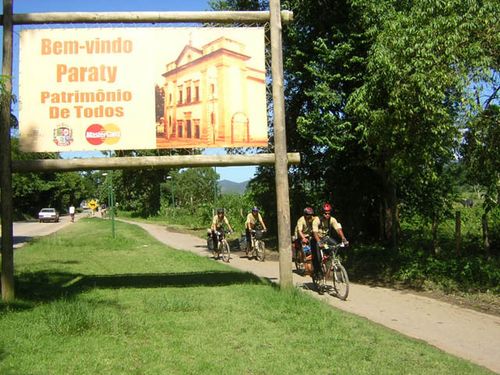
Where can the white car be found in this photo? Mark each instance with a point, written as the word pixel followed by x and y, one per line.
pixel 48 214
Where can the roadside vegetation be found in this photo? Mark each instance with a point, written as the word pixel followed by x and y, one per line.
pixel 87 303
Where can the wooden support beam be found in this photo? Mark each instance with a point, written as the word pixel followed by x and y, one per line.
pixel 244 17
pixel 147 162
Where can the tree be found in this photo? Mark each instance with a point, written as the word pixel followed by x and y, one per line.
pixel 418 71
pixel 481 152
pixel 193 187
pixel 139 190
pixel 238 4
pixel 325 51
pixel 35 190
pixel 481 155
pixel 375 93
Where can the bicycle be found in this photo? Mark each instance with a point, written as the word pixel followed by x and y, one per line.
pixel 223 250
pixel 334 279
pixel 257 246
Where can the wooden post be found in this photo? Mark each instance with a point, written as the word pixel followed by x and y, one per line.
pixel 458 233
pixel 281 163
pixel 7 277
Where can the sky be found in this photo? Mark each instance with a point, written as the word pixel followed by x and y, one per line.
pixel 236 174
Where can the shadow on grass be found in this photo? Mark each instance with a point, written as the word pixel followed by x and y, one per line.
pixel 19 240
pixel 48 286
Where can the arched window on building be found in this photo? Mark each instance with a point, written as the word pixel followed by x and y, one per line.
pixel 180 133
pixel 197 133
pixel 240 131
pixel 212 126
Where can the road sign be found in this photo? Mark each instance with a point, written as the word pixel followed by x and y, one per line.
pixel 92 204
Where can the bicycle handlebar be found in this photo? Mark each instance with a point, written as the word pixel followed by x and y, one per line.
pixel 326 243
pixel 253 231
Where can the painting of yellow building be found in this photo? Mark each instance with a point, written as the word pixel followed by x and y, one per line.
pixel 212 96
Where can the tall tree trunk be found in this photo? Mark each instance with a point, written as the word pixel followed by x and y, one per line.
pixel 458 233
pixel 435 243
pixel 486 239
pixel 395 218
pixel 381 222
pixel 391 212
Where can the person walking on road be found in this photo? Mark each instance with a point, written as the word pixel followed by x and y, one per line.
pixel 72 213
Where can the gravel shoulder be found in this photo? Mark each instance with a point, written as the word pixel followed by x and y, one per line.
pixel 463 332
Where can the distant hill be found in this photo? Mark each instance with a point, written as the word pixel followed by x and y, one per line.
pixel 231 187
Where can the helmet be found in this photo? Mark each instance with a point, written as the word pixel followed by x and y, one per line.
pixel 255 209
pixel 327 207
pixel 308 211
pixel 220 210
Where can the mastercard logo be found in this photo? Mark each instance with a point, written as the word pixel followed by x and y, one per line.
pixel 97 134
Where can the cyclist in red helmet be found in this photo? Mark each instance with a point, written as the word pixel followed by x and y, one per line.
pixel 328 225
pixel 322 229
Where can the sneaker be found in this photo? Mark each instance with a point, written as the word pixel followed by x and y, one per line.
pixel 321 284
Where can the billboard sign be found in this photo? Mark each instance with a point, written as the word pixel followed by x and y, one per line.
pixel 88 89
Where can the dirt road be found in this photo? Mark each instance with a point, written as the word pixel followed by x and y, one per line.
pixel 462 332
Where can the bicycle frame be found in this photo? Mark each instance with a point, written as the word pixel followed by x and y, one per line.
pixel 222 246
pixel 257 246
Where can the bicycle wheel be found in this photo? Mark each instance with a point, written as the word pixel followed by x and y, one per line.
pixel 216 251
pixel 250 250
pixel 260 250
pixel 319 281
pixel 340 281
pixel 225 252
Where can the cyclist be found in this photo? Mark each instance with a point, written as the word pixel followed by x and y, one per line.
pixel 254 221
pixel 219 222
pixel 328 224
pixel 303 230
pixel 322 227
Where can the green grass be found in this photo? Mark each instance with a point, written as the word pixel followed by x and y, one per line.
pixel 88 303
